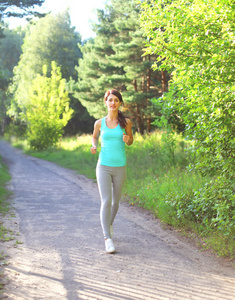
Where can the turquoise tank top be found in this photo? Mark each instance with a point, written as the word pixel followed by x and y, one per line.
pixel 112 152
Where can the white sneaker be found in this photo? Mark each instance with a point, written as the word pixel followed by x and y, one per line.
pixel 109 246
pixel 111 230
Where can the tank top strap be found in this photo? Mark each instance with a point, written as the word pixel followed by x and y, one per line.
pixel 103 124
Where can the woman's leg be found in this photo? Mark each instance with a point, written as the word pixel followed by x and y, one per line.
pixel 118 178
pixel 104 181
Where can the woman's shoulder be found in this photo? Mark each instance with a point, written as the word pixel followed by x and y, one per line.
pixel 98 123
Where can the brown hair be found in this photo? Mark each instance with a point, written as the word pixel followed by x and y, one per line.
pixel 121 118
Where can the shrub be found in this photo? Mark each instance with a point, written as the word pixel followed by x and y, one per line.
pixel 48 111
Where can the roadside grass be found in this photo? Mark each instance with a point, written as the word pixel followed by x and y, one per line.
pixel 5 233
pixel 72 153
pixel 158 180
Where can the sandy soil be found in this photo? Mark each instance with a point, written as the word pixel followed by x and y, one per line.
pixel 62 255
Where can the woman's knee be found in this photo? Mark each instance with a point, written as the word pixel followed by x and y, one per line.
pixel 106 203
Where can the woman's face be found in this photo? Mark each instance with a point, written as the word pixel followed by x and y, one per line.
pixel 113 103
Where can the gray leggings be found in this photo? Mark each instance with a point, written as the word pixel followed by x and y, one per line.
pixel 110 183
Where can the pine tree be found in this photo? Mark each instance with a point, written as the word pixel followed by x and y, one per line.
pixel 18 9
pixel 114 59
pixel 141 83
pixel 13 8
pixel 95 72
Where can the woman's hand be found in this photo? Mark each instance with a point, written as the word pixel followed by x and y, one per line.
pixel 93 150
pixel 126 138
pixel 95 136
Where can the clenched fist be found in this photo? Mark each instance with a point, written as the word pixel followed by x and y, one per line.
pixel 93 150
pixel 126 138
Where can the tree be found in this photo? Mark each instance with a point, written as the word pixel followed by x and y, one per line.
pixel 50 39
pixel 114 59
pixel 15 8
pixel 202 53
pixel 10 51
pixel 195 39
pixel 94 67
pixel 48 111
pixel 19 9
pixel 12 8
pixel 4 81
pixel 141 82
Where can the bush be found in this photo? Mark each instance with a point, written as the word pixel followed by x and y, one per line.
pixel 48 111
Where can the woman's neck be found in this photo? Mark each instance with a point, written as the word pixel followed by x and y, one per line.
pixel 112 116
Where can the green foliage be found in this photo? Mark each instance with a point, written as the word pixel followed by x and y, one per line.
pixel 12 8
pixel 48 39
pixel 5 233
pixel 168 116
pixel 4 178
pixel 178 195
pixel 10 50
pixel 114 60
pixel 195 39
pixel 15 129
pixel 48 111
pixel 202 206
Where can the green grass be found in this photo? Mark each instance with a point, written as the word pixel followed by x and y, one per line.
pixel 73 153
pixel 4 193
pixel 158 180
pixel 5 233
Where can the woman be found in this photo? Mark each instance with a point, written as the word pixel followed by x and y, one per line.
pixel 115 131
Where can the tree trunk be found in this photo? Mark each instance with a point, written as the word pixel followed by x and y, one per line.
pixel 148 90
pixel 148 76
pixel 135 85
pixel 140 125
pixel 3 115
pixel 164 82
pixel 149 124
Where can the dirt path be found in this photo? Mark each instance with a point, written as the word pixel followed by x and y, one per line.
pixel 63 257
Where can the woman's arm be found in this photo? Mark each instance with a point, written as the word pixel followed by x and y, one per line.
pixel 128 137
pixel 95 136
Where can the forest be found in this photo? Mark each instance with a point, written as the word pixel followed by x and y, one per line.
pixel 173 62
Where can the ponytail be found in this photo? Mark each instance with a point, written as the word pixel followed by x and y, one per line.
pixel 121 119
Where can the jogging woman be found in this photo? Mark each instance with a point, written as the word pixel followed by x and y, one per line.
pixel 115 132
